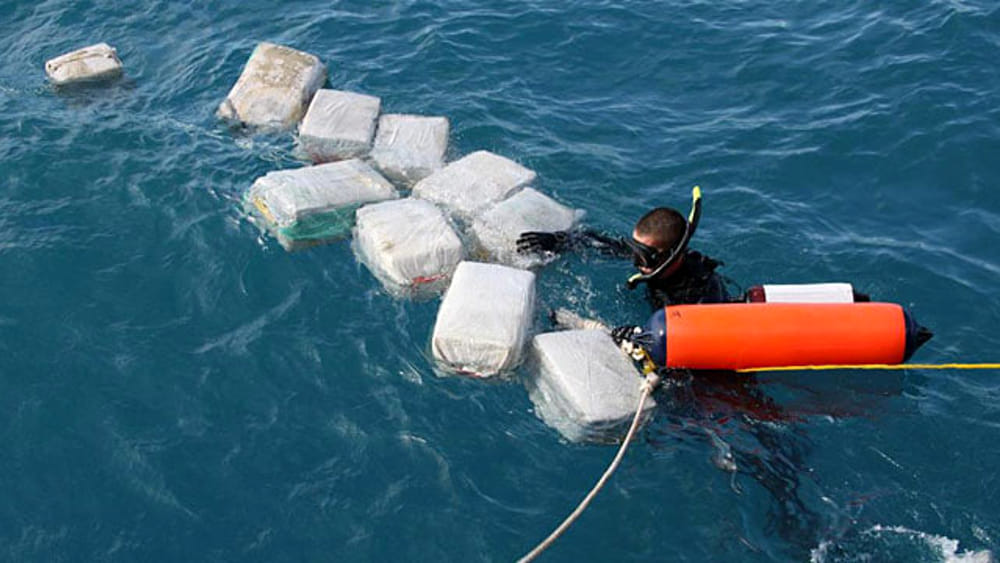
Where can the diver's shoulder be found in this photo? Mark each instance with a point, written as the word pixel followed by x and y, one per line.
pixel 701 261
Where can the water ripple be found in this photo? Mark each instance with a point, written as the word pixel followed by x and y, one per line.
pixel 179 387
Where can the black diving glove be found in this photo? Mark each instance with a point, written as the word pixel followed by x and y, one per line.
pixel 535 241
pixel 632 340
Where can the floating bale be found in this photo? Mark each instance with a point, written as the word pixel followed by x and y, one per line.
pixel 407 244
pixel 497 229
pixel 338 125
pixel 484 319
pixel 585 387
pixel 305 206
pixel 408 148
pixel 473 183
pixel 96 62
pixel 274 89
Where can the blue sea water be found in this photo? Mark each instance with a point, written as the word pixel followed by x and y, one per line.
pixel 176 387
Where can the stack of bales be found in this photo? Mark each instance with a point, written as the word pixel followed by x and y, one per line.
pixel 363 162
pixel 281 88
pixel 581 384
pixel 486 314
pixel 411 245
pixel 364 165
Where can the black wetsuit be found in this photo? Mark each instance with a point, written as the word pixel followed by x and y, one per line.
pixel 695 281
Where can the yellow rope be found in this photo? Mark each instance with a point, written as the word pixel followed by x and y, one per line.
pixel 871 366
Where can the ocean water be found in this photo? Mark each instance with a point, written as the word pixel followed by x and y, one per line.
pixel 176 387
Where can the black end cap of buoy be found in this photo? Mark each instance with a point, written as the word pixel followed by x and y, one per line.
pixel 916 335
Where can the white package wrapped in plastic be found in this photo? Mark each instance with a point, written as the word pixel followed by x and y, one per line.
pixel 473 183
pixel 809 293
pixel 484 319
pixel 497 229
pixel 406 243
pixel 95 62
pixel 408 148
pixel 338 125
pixel 274 88
pixel 585 387
pixel 307 205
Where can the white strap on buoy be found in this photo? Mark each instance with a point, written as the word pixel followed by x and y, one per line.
pixel 809 293
pixel 648 384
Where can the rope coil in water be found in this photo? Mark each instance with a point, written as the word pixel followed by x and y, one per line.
pixel 648 384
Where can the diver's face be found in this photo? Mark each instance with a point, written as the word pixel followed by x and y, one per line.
pixel 645 264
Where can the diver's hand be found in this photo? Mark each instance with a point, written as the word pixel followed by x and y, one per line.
pixel 632 340
pixel 535 241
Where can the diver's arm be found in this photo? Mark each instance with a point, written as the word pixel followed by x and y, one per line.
pixel 581 239
pixel 604 243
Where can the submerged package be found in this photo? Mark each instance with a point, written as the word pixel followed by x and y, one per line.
pixel 484 319
pixel 585 387
pixel 406 243
pixel 96 62
pixel 307 205
pixel 338 125
pixel 473 183
pixel 408 148
pixel 274 89
pixel 497 229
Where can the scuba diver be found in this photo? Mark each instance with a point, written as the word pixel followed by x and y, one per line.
pixel 750 433
pixel 673 274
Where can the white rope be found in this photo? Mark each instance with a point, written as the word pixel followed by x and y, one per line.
pixel 651 381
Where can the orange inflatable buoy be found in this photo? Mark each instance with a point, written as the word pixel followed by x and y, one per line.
pixel 753 335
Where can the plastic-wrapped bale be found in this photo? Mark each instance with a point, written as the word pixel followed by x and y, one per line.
pixel 484 319
pixel 407 244
pixel 338 125
pixel 274 89
pixel 96 62
pixel 408 148
pixel 305 206
pixel 585 387
pixel 473 183
pixel 497 229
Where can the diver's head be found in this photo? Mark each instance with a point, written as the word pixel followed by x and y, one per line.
pixel 660 239
pixel 656 236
